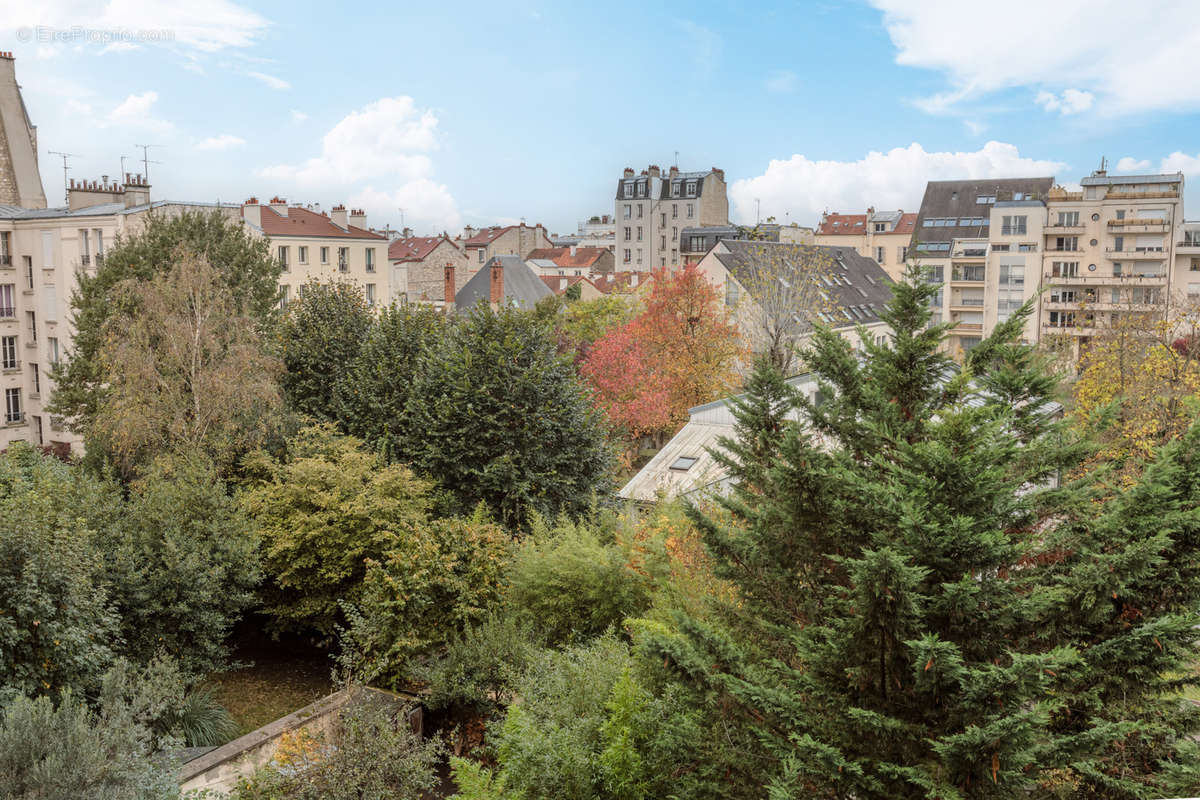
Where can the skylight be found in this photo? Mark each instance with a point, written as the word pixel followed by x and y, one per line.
pixel 684 463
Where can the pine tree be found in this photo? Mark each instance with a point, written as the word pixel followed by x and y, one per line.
pixel 925 609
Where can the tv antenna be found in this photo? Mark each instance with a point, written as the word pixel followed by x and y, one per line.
pixel 401 219
pixel 65 156
pixel 146 162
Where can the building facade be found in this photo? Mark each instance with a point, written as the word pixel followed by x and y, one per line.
pixel 653 208
pixel 481 245
pixel 572 261
pixel 421 264
pixel 311 245
pixel 695 242
pixel 883 236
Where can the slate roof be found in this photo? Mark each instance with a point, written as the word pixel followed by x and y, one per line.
pixel 857 287
pixel 522 286
pixel 302 222
pixel 956 199
pixel 101 210
pixel 660 188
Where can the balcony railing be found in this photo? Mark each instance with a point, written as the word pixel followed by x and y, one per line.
pixel 5 260
pixel 85 260
pixel 1130 222
pixel 343 266
pixel 14 417
pixel 1131 279
pixel 968 301
pixel 8 312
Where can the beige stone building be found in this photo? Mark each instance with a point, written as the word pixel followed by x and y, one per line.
pixel 311 245
pixel 20 180
pixel 695 242
pixel 483 244
pixel 421 266
pixel 652 209
pixel 571 261
pixel 883 236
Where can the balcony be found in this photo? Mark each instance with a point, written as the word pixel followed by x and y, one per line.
pixel 1104 280
pixel 1092 305
pixel 1064 229
pixel 1137 253
pixel 1136 225
pixel 1059 193
pixel 967 327
pixel 1188 247
pixel 971 252
pixel 8 313
pixel 1159 195
pixel 1069 330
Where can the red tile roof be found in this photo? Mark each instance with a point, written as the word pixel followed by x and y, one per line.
pixel 856 224
pixel 486 236
pixel 416 248
pixel 609 281
pixel 561 256
pixel 302 222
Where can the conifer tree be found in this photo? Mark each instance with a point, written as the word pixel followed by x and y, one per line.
pixel 925 609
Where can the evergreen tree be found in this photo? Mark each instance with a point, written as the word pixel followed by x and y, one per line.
pixel 924 610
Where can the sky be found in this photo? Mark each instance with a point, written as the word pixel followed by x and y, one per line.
pixel 489 113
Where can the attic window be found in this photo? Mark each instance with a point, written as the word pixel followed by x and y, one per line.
pixel 861 291
pixel 684 463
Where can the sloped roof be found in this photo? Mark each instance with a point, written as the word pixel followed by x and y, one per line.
pixel 857 287
pixel 302 222
pixel 956 200
pixel 416 248
pixel 562 257
pixel 854 224
pixel 522 286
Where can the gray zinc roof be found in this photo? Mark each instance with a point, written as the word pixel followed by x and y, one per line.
pixel 1125 180
pixel 956 199
pixel 522 286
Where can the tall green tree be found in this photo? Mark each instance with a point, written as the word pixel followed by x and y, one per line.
pixel 319 339
pixel 373 393
pixel 924 611
pixel 497 416
pixel 242 260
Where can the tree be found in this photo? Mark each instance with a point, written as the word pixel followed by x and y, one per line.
pixel 58 629
pixel 183 565
pixel 495 415
pixel 585 321
pixel 185 366
pixel 436 580
pixel 242 261
pixel 320 336
pixel 924 611
pixel 321 513
pixel 1138 382
pixel 680 352
pixel 374 391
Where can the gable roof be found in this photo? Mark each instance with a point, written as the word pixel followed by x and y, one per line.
pixel 302 222
pixel 857 287
pixel 561 256
pixel 522 286
pixel 416 248
pixel 955 201
pixel 854 224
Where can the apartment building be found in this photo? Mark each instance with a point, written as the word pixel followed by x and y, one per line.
pixel 598 231
pixel 481 245
pixel 982 241
pixel 652 209
pixel 572 261
pixel 695 242
pixel 420 266
pixel 1118 246
pixel 883 236
pixel 312 245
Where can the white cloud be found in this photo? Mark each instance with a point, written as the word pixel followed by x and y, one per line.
pixel 384 144
pixel 1071 101
pixel 1181 162
pixel 974 127
pixel 1084 45
pixel 225 141
pixel 782 82
pixel 895 179
pixel 270 80
pixel 135 111
pixel 298 116
pixel 1128 164
pixel 208 27
pixel 703 44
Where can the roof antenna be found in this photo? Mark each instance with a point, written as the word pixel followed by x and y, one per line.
pixel 66 185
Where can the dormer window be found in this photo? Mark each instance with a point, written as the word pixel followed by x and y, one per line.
pixel 691 188
pixel 674 188
pixel 628 190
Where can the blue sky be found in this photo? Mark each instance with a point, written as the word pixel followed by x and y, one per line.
pixel 484 113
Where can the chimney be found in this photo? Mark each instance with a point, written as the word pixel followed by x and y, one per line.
pixel 497 295
pixel 468 232
pixel 449 286
pixel 279 206
pixel 358 218
pixel 633 276
pixel 628 172
pixel 252 212
pixel 137 190
pixel 673 172
pixel 406 233
pixel 654 171
pixel 720 173
pixel 574 247
pixel 337 215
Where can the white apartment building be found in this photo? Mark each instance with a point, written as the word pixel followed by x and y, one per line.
pixel 652 209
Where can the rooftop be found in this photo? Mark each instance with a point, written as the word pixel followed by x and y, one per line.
pixel 1126 180
pixel 303 222
pixel 416 248
pixel 583 257
pixel 522 286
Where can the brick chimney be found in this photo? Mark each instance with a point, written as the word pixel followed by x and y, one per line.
pixel 358 218
pixel 497 293
pixel 252 212
pixel 279 206
pixel 85 194
pixel 337 215
pixel 449 286
pixel 406 233
pixel 654 171
pixel 673 172
pixel 137 190
pixel 628 172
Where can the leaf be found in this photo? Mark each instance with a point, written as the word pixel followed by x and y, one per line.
pixel 929 663
pixel 995 766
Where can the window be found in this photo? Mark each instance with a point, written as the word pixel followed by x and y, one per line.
pixel 8 306
pixel 324 255
pixel 52 346
pixel 985 199
pixel 37 379
pixel 29 272
pixel 301 291
pixel 283 258
pixel 674 233
pixel 641 209
pixel 628 255
pixel 674 188
pixel 1027 248
pixel 880 254
pixel 628 233
pixel 31 320
pixel 1118 270
pixel 1193 290
pixel 1012 289
pixel 732 294
pixel 691 211
pixel 1068 296
pixel 8 352
pixel 662 242
pixel 481 253
pixel 1019 196
pixel 85 255
pixel 626 211
pixel 1121 214
pixel 880 227
pixel 1118 244
pixel 639 233
pixel 1010 226
pixel 371 294
pixel 1068 218
pixel 302 255
pixel 628 190
pixel 284 296
pixel 696 243
pixel 674 210
pixel 12 406
pixel 370 259
pixel 1067 243
pixel 684 463
pixel 1195 265
pixel 639 255
pixel 968 272
pixel 5 249
pixel 343 259
pixel 662 223
pixel 691 188
pixel 98 236
pixel 1064 269
pixel 37 429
